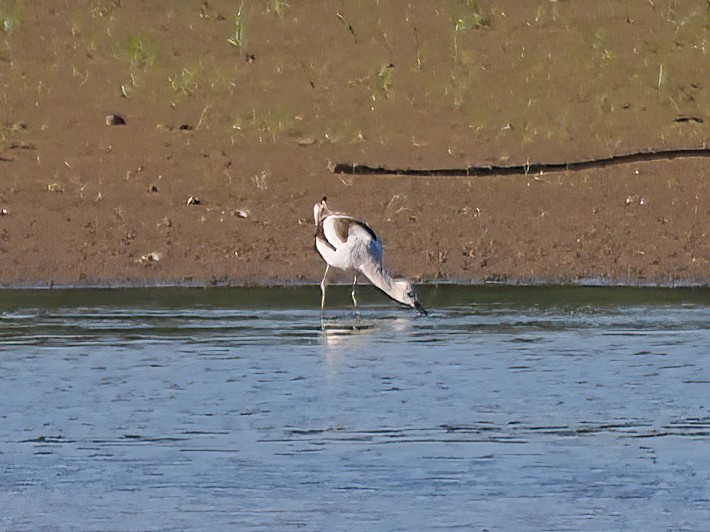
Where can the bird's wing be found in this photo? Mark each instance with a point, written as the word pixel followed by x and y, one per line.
pixel 334 230
pixel 345 226
pixel 360 240
pixel 341 227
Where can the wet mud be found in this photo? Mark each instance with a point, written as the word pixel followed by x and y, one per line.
pixel 146 143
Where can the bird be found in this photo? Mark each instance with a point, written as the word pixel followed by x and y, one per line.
pixel 349 244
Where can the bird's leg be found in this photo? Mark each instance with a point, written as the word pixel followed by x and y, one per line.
pixel 322 289
pixel 353 292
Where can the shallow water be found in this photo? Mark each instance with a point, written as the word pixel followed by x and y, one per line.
pixel 538 408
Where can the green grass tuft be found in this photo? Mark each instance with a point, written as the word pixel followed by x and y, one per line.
pixel 384 79
pixel 11 15
pixel 141 51
pixel 238 40
pixel 184 82
pixel 473 16
pixel 276 6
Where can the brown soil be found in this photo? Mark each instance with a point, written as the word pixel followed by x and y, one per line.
pixel 258 127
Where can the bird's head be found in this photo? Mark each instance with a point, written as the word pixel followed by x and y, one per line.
pixel 406 295
pixel 320 209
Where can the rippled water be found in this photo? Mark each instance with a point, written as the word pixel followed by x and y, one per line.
pixel 538 408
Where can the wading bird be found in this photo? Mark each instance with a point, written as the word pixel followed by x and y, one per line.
pixel 350 244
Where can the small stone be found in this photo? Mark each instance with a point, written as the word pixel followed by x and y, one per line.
pixel 153 256
pixel 192 200
pixel 3 212
pixel 241 213
pixel 152 188
pixel 115 120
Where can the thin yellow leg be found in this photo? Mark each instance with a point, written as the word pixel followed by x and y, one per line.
pixel 322 289
pixel 353 292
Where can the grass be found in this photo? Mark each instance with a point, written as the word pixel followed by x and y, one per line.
pixel 184 82
pixel 418 42
pixel 11 15
pixel 598 44
pixel 238 40
pixel 141 51
pixel 478 18
pixel 9 129
pixel 272 123
pixel 471 16
pixel 276 6
pixel 453 89
pixel 268 125
pixel 104 8
pixel 384 79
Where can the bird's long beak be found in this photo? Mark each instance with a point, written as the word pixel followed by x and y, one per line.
pixel 420 309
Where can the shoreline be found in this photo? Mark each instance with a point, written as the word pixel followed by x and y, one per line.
pixel 583 283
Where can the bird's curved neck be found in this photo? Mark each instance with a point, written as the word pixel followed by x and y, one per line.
pixel 382 279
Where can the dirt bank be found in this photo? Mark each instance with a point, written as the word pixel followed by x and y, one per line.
pixel 248 111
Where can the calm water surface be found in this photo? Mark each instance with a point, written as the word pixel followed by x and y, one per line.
pixel 532 408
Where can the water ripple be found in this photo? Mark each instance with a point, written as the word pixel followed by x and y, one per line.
pixel 502 409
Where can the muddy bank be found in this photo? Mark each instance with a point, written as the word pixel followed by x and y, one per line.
pixel 249 112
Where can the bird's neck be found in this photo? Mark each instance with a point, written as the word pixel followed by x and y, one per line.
pixel 382 279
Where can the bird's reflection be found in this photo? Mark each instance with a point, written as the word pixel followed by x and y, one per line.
pixel 355 331
pixel 349 341
pixel 342 339
pixel 345 331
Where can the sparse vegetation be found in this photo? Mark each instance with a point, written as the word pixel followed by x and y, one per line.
pixel 11 16
pixel 184 82
pixel 7 130
pixel 419 49
pixel 453 89
pixel 266 126
pixel 238 40
pixel 472 16
pixel 599 44
pixel 272 123
pixel 104 8
pixel 478 17
pixel 276 6
pixel 141 51
pixel 384 79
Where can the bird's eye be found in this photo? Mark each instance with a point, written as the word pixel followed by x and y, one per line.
pixel 411 294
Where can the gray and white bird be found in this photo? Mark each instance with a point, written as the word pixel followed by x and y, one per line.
pixel 350 244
